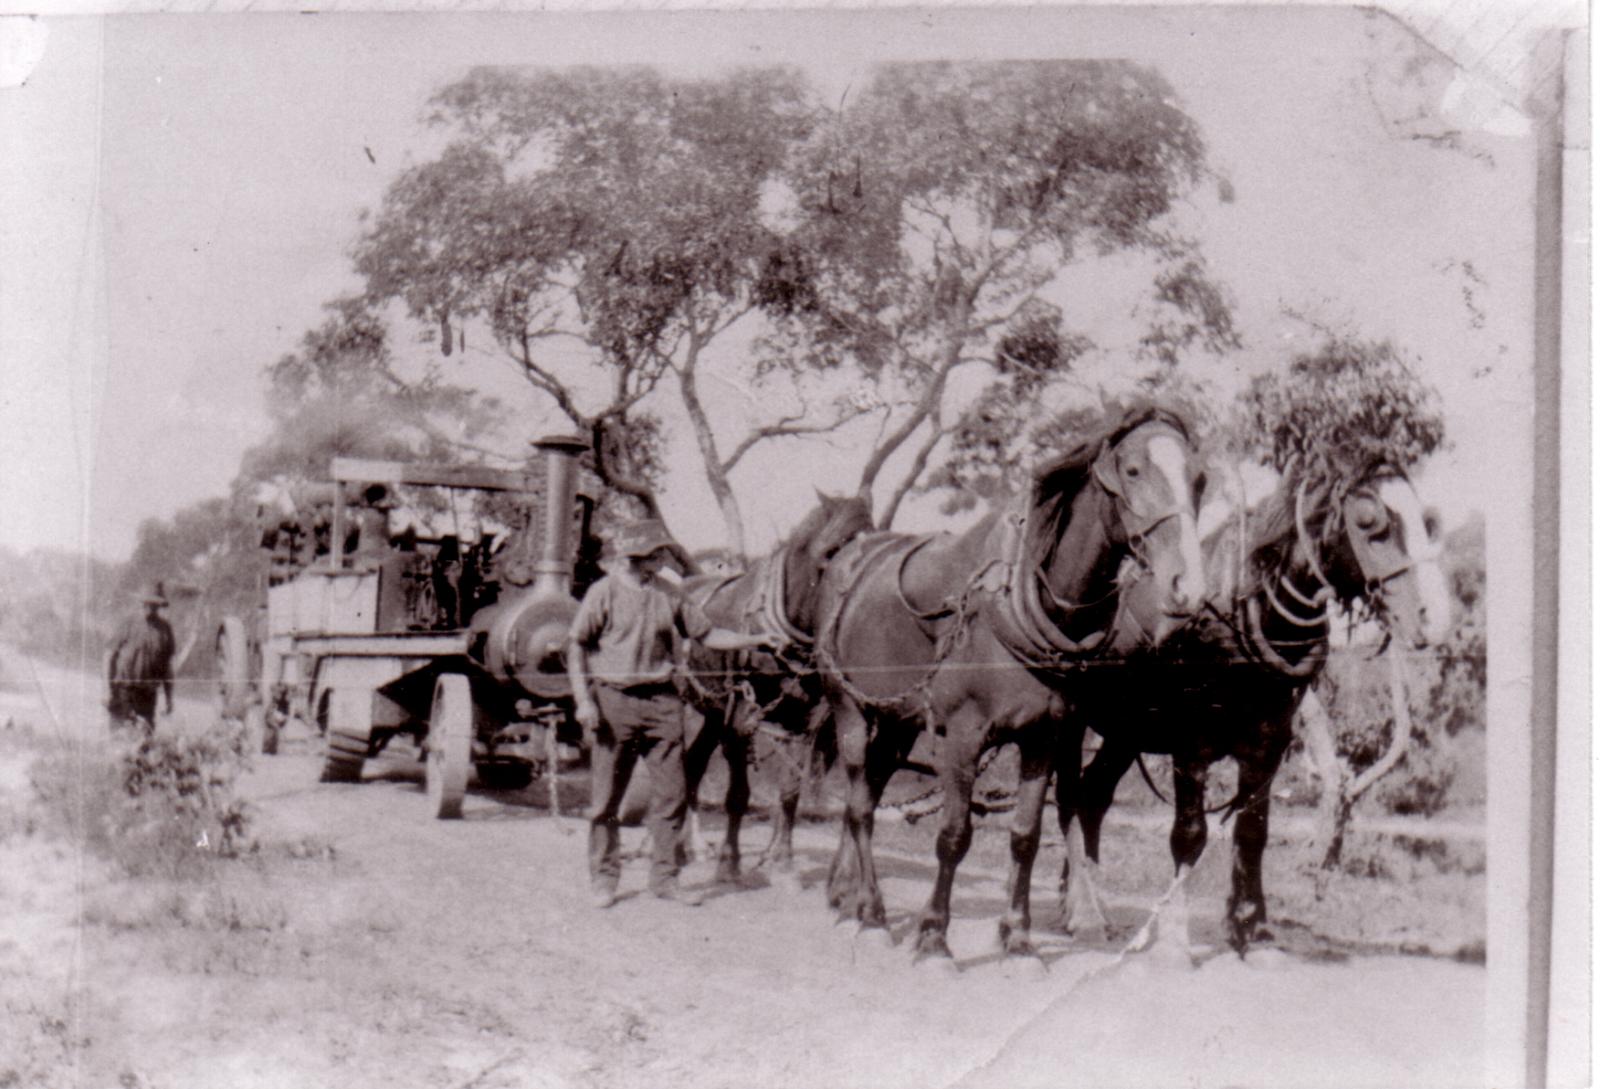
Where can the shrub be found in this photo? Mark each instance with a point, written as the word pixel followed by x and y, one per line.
pixel 157 803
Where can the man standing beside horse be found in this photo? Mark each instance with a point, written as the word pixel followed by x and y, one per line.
pixel 621 659
pixel 140 667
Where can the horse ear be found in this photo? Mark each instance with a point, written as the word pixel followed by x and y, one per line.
pixel 1105 470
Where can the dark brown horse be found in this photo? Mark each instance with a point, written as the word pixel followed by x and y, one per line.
pixel 979 635
pixel 1228 684
pixel 738 692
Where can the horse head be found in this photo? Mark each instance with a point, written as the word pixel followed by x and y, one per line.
pixel 1378 548
pixel 1138 501
pixel 1155 481
pixel 815 541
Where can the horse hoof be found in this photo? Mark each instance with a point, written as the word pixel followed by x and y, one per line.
pixel 1017 945
pixel 1169 954
pixel 1267 959
pixel 936 964
pixel 932 944
pixel 871 914
pixel 728 875
pixel 876 936
pixel 1025 967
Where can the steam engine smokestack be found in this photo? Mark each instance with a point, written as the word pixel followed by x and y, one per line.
pixel 524 633
pixel 552 572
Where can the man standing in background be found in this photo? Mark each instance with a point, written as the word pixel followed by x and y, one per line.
pixel 140 667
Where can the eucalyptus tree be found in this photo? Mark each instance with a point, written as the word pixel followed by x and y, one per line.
pixel 932 219
pixel 604 228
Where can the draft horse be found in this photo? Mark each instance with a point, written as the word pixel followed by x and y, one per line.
pixel 978 637
pixel 1228 684
pixel 738 691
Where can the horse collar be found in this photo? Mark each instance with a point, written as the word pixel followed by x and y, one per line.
pixel 1021 623
pixel 1256 640
pixel 774 611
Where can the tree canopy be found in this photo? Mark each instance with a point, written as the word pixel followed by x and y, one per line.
pixel 602 228
pixel 940 206
pixel 1338 410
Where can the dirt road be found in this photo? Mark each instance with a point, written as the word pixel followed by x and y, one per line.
pixel 368 945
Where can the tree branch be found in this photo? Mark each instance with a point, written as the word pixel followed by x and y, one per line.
pixel 614 477
pixel 936 432
pixel 788 425
pixel 544 380
pixel 925 406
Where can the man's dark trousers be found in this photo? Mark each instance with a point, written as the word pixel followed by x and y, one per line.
pixel 637 722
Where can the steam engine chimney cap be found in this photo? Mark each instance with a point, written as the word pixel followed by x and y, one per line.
pixel 573 444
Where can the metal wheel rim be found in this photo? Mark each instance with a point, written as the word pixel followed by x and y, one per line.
pixel 449 745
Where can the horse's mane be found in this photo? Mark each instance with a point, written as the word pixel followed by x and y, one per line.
pixel 1056 483
pixel 1270 528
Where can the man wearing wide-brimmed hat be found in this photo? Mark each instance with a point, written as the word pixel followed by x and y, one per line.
pixel 140 667
pixel 621 657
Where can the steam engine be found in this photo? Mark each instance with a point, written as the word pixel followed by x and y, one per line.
pixel 519 639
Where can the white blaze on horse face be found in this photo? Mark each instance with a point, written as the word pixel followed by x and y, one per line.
pixel 1433 591
pixel 1189 586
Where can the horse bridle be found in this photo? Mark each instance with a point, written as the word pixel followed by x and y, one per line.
pixel 1375 574
pixel 1136 528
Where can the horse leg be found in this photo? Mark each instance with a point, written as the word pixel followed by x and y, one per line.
pixel 1168 926
pixel 1070 903
pixel 1188 842
pixel 958 769
pixel 1097 789
pixel 792 767
pixel 736 749
pixel 696 757
pixel 1247 903
pixel 886 752
pixel 1026 822
pixel 845 872
pixel 794 757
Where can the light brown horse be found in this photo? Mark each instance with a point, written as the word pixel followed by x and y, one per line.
pixel 739 691
pixel 979 636
pixel 1228 685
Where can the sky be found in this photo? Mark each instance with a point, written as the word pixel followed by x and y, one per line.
pixel 189 188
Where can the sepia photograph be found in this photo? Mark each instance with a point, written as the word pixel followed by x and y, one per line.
pixel 903 547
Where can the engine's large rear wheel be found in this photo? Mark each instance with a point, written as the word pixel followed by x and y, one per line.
pixel 449 745
pixel 345 715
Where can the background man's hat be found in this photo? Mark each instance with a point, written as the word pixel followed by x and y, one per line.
pixel 157 595
pixel 642 538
